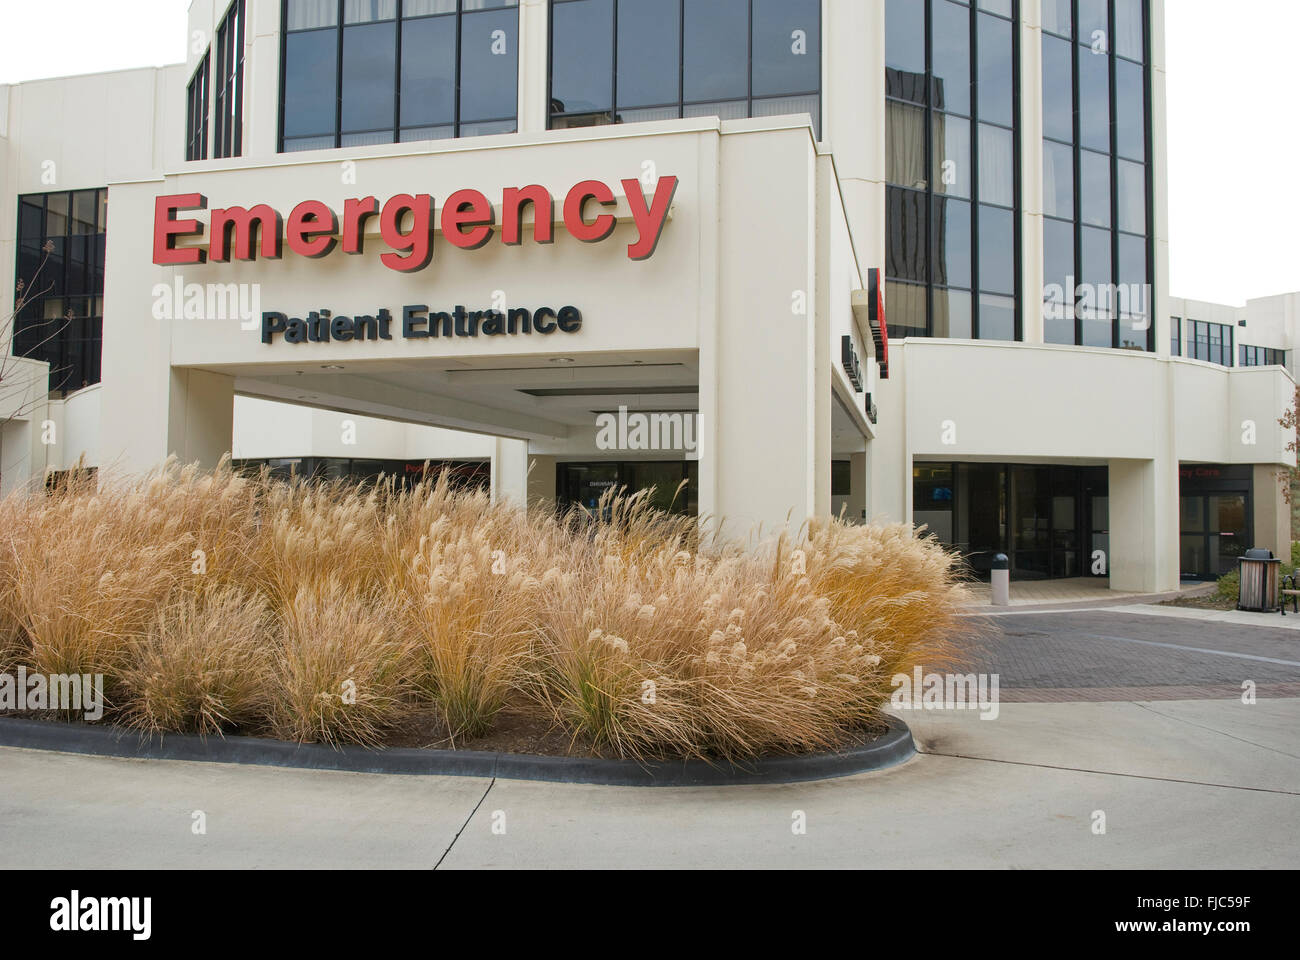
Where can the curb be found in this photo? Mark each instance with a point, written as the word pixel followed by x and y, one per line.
pixel 1101 603
pixel 889 750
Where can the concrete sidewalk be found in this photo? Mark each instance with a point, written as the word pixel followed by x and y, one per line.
pixel 1181 784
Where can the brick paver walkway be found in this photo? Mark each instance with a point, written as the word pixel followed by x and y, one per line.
pixel 1107 656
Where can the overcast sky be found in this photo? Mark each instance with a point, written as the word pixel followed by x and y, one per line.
pixel 1234 140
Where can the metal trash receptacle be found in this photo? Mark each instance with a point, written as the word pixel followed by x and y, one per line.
pixel 1258 573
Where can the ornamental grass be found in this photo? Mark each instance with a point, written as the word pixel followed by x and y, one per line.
pixel 215 602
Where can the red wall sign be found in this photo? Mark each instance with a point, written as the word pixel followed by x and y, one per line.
pixel 468 220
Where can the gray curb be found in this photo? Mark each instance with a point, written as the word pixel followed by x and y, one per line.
pixel 893 748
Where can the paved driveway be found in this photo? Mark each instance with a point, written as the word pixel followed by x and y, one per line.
pixel 1116 654
pixel 1187 783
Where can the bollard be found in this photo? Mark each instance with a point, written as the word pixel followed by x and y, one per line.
pixel 1001 580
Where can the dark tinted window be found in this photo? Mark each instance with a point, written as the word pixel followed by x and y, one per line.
pixel 1058 89
pixel 649 39
pixel 369 97
pixel 715 61
pixel 997 250
pixel 429 72
pixel 952 240
pixel 786 47
pixel 459 70
pixel 1094 99
pixel 627 61
pixel 311 68
pixel 994 69
pixel 582 56
pixel 951 40
pixel 489 74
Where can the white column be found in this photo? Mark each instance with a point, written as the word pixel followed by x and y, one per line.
pixel 1144 525
pixel 510 471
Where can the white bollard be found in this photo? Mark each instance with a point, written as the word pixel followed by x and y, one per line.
pixel 1001 580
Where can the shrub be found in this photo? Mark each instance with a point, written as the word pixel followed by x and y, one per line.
pixel 202 665
pixel 1229 586
pixel 339 612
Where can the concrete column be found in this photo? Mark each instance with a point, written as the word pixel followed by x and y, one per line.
pixel 534 57
pixel 759 378
pixel 15 455
pixel 201 416
pixel 1272 513
pixel 510 471
pixel 1143 526
pixel 857 511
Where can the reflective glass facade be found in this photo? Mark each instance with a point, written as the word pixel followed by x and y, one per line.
pixel 952 164
pixel 622 61
pixel 1098 254
pixel 60 316
pixel 358 72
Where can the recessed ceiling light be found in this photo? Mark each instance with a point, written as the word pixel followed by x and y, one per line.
pixel 562 360
pixel 331 366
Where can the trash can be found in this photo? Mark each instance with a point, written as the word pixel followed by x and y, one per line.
pixel 1258 572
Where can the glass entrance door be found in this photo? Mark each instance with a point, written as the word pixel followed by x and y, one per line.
pixel 1214 533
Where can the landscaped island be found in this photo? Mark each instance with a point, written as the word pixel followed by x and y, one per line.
pixel 323 612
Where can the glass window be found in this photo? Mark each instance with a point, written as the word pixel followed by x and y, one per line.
pixel 1130 110
pixel 311 68
pixel 715 62
pixel 905 144
pixel 950 26
pixel 1094 99
pixel 445 90
pixel 228 130
pixel 905 224
pixel 1058 89
pixel 995 73
pixel 953 314
pixel 1058 180
pixel 61 289
pixel 428 74
pixel 196 114
pixel 1093 23
pixel 489 72
pixel 1094 188
pixel 905 309
pixel 311 14
pixel 997 161
pixel 935 235
pixel 905 37
pixel 1057 17
pixel 723 58
pixel 786 47
pixel 369 97
pixel 582 57
pixel 368 11
pixel 952 158
pixel 952 242
pixel 1058 281
pixel 1132 196
pixel 997 245
pixel 1129 34
pixel 1096 257
pixel 997 317
pixel 649 38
